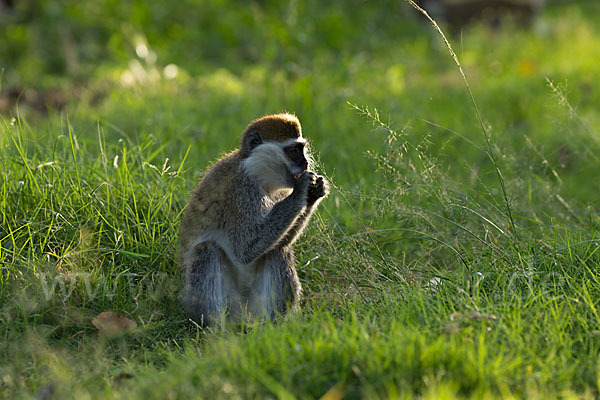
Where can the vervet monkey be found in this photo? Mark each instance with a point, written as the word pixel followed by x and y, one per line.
pixel 237 231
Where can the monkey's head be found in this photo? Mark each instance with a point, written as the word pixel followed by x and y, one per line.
pixel 270 128
pixel 274 151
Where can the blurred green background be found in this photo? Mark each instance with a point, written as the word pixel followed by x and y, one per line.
pixel 190 69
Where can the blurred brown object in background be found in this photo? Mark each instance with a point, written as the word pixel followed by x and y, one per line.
pixel 459 13
pixel 6 5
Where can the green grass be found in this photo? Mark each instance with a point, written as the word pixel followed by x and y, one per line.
pixel 416 283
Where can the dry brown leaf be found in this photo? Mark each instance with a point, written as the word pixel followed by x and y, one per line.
pixel 335 393
pixel 451 328
pixel 110 323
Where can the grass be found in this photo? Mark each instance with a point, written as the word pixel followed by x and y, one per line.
pixel 416 282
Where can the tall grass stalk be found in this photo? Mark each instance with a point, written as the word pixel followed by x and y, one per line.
pixel 490 151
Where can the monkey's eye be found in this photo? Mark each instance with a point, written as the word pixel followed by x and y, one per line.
pixel 293 151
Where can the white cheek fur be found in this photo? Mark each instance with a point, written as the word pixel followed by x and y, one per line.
pixel 269 166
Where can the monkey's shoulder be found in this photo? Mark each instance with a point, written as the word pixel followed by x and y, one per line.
pixel 224 193
pixel 218 180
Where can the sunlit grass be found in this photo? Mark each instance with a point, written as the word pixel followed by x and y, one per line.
pixel 415 284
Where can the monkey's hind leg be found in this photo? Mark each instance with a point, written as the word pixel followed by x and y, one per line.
pixel 204 291
pixel 278 288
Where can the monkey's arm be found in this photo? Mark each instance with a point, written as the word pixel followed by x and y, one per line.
pixel 315 193
pixel 250 237
pixel 296 230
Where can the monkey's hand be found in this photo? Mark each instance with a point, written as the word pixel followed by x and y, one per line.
pixel 317 189
pixel 303 183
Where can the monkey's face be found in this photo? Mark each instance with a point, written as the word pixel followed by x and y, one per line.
pixel 275 165
pixel 296 155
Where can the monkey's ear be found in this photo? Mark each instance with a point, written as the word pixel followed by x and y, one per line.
pixel 253 139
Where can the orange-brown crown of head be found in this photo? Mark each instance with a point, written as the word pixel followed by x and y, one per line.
pixel 276 127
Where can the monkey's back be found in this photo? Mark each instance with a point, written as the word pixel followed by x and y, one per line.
pixel 208 202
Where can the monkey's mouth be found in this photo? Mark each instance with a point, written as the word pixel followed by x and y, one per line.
pixel 299 174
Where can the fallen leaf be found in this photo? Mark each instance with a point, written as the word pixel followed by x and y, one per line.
pixel 110 323
pixel 335 393
pixel 451 328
